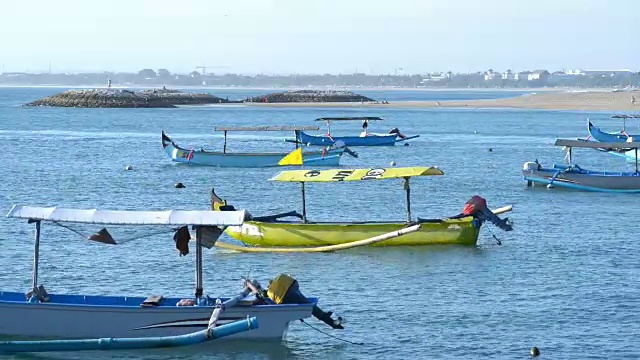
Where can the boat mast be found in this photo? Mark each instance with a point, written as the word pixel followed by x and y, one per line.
pixel 408 190
pixel 304 204
pixel 297 136
pixel 224 149
pixel 36 254
pixel 198 263
pixel 328 127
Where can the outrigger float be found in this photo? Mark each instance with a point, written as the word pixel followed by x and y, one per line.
pixel 575 177
pixel 365 138
pixel 330 156
pixel 99 322
pixel 270 232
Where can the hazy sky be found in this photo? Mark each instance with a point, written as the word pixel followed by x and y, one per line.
pixel 319 36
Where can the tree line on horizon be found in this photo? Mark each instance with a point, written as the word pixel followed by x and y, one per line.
pixel 151 78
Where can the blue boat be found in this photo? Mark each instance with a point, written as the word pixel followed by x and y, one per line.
pixel 574 177
pixel 623 136
pixel 330 156
pixel 364 139
pixel 76 322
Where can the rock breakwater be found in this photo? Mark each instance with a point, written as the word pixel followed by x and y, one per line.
pixel 122 98
pixel 311 96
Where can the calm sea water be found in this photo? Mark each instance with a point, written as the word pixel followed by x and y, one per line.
pixel 567 279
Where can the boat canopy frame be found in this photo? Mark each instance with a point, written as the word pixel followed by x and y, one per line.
pixel 624 118
pixel 599 145
pixel 198 219
pixel 295 129
pixel 328 120
pixel 341 175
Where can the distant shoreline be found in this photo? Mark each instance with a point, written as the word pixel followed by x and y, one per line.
pixel 350 88
pixel 580 101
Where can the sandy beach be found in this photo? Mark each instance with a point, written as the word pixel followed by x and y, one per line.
pixel 574 100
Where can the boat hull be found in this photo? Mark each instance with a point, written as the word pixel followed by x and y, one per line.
pixel 582 179
pixel 371 140
pixel 79 317
pixel 177 154
pixel 462 231
pixel 602 136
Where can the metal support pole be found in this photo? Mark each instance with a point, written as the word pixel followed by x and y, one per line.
pixel 304 205
pixel 224 150
pixel 408 190
pixel 569 155
pixel 297 135
pixel 636 160
pixel 36 256
pixel 198 263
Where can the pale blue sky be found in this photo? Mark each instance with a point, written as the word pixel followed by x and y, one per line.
pixel 319 36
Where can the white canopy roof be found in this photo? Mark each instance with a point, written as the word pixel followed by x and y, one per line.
pixel 128 217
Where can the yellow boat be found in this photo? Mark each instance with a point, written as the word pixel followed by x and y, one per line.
pixel 272 232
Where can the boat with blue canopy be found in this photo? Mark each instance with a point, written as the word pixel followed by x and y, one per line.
pixel 330 156
pixel 575 177
pixel 75 322
pixel 364 139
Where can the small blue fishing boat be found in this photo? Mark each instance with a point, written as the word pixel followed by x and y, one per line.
pixel 364 139
pixel 602 136
pixel 76 322
pixel 573 176
pixel 330 156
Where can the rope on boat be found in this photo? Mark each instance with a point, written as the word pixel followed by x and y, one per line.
pixel 120 241
pixel 326 248
pixel 329 335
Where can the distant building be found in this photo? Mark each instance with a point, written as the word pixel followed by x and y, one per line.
pixel 538 75
pixel 435 77
pixel 523 75
pixel 491 75
pixel 509 76
pixel 599 73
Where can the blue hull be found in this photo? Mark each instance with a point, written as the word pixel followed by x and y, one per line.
pixel 329 158
pixel 583 179
pixel 602 136
pixel 371 140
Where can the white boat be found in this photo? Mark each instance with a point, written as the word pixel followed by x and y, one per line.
pixel 76 316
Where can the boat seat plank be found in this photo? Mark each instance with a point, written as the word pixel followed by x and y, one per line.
pixel 153 300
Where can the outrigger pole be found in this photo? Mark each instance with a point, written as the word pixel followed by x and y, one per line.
pixel 36 254
pixel 199 289
pixel 408 190
pixel 304 204
pixel 224 149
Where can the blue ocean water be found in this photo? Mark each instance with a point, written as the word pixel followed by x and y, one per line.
pixel 565 280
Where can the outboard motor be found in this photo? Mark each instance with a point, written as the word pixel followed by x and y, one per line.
pixel 285 290
pixel 397 132
pixel 477 207
pixel 531 166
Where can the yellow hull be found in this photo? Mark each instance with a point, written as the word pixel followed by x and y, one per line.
pixel 269 234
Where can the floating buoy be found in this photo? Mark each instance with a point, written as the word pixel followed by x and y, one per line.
pixel 128 167
pixel 550 186
pixel 490 149
pixel 475 132
pixel 534 351
pixel 179 185
pixel 393 163
pixel 406 144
